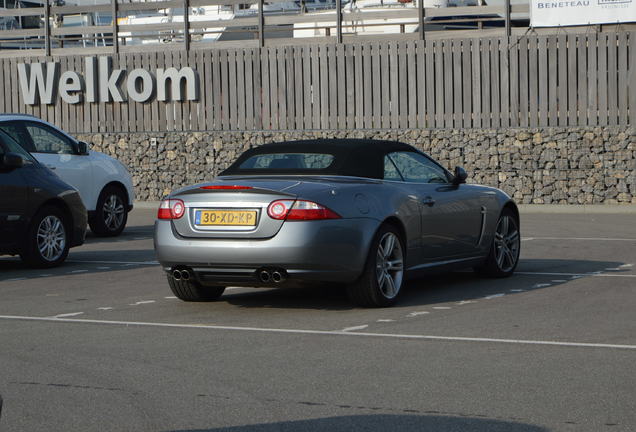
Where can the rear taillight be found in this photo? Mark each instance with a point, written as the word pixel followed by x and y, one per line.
pixel 171 209
pixel 299 210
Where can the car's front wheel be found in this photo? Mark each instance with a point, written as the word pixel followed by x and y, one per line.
pixel 191 290
pixel 111 214
pixel 503 256
pixel 383 273
pixel 48 238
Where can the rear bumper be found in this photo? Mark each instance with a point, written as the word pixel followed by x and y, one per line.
pixel 314 251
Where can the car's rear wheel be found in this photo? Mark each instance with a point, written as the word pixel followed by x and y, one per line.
pixel 191 290
pixel 503 256
pixel 48 238
pixel 383 273
pixel 111 214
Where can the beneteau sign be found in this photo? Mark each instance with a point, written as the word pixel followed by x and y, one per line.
pixel 40 83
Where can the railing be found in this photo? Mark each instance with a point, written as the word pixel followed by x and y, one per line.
pixel 118 26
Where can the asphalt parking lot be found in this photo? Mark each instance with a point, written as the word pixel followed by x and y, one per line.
pixel 101 344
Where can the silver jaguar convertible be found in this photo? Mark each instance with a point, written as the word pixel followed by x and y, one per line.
pixel 362 214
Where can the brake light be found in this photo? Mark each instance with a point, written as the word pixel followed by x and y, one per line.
pixel 171 209
pixel 299 210
pixel 225 187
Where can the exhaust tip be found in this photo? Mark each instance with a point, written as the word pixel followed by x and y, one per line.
pixel 185 275
pixel 277 276
pixel 176 274
pixel 264 276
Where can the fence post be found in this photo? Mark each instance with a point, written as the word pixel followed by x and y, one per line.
pixel 339 20
pixel 186 24
pixel 47 28
pixel 115 29
pixel 261 24
pixel 420 10
pixel 507 15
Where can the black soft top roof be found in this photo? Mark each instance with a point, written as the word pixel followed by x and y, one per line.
pixel 352 157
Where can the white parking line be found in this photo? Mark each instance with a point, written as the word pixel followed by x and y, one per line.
pixel 66 315
pixel 576 275
pixel 360 327
pixel 492 296
pixel 323 332
pixel 414 314
pixel 441 307
pixel 141 302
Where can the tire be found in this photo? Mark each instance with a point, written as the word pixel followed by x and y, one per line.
pixel 190 290
pixel 48 238
pixel 503 256
pixel 110 215
pixel 383 274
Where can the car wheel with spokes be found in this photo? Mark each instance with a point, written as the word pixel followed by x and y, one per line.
pixel 47 243
pixel 111 214
pixel 383 273
pixel 503 256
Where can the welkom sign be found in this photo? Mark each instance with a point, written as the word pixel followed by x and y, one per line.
pixel 42 83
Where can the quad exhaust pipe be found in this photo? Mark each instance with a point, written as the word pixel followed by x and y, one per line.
pixel 272 275
pixel 181 274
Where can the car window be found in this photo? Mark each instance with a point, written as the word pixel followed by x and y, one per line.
pixel 390 171
pixel 47 140
pixel 293 161
pixel 9 145
pixel 17 132
pixel 417 168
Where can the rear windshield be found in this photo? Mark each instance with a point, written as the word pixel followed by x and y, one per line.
pixel 288 161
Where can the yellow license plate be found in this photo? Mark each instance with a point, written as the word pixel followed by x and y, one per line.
pixel 225 218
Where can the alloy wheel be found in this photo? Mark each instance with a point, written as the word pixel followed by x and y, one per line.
pixel 507 242
pixel 389 265
pixel 51 238
pixel 113 211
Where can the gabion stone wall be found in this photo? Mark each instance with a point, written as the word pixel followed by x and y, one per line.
pixel 541 166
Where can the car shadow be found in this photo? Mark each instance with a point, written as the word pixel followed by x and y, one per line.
pixel 81 262
pixel 130 233
pixel 385 422
pixel 532 274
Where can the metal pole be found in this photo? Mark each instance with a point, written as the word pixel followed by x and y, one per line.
pixel 339 20
pixel 115 27
pixel 261 24
pixel 47 28
pixel 186 24
pixel 421 13
pixel 507 12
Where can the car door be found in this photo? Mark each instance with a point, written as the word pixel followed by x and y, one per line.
pixel 59 153
pixel 14 192
pixel 450 214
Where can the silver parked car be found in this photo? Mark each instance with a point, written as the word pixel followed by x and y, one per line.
pixel 360 213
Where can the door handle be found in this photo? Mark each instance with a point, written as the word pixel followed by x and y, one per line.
pixel 429 201
pixel 51 167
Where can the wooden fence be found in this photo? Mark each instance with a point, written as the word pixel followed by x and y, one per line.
pixel 529 81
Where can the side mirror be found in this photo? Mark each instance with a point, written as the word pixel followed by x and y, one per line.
pixel 82 148
pixel 460 175
pixel 12 160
